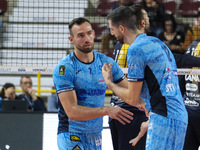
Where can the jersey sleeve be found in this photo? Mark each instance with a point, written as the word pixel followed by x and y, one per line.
pixel 63 77
pixel 136 64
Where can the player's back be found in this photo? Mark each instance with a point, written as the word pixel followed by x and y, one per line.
pixel 155 65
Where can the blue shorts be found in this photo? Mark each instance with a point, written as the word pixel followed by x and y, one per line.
pixel 165 133
pixel 79 141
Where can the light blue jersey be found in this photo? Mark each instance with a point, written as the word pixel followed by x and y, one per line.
pixel 151 61
pixel 88 82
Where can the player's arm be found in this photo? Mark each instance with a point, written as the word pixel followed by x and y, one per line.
pixel 74 111
pixel 130 95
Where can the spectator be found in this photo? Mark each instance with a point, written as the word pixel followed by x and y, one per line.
pixel 192 33
pixel 172 38
pixel 107 37
pixel 8 92
pixel 53 103
pixel 34 102
pixel 156 13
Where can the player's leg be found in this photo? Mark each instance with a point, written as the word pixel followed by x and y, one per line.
pixel 93 141
pixel 114 134
pixel 130 131
pixel 69 141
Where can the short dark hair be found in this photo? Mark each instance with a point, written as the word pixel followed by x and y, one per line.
pixel 77 21
pixel 138 12
pixel 125 16
pixel 25 76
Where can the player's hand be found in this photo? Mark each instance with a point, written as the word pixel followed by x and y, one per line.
pixel 107 73
pixel 143 130
pixel 142 107
pixel 120 114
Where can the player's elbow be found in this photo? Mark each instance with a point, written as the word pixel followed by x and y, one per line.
pixel 72 116
pixel 132 101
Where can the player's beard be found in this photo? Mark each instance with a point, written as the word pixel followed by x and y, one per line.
pixel 120 39
pixel 85 50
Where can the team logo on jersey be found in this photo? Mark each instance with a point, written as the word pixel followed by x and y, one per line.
pixel 74 138
pixel 62 69
pixel 76 148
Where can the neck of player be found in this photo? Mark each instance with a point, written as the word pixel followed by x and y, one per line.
pixel 84 57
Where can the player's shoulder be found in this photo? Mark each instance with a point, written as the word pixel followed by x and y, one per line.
pixel 66 62
pixel 69 59
pixel 102 57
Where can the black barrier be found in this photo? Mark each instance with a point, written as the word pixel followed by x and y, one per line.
pixel 21 131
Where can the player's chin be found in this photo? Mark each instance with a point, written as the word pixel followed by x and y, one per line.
pixel 88 50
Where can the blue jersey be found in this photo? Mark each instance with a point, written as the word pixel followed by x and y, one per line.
pixel 88 82
pixel 151 61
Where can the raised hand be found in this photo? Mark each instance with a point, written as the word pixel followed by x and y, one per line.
pixel 107 74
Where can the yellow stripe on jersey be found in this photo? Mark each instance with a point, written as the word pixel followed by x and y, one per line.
pixel 196 53
pixel 121 60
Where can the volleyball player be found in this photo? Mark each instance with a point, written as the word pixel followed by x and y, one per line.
pixel 152 74
pixel 81 90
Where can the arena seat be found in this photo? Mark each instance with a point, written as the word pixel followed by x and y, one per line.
pixel 99 30
pixel 170 7
pixel 26 14
pixel 36 40
pixel 3 6
pixel 104 7
pixel 36 28
pixel 38 56
pixel 188 8
pixel 53 4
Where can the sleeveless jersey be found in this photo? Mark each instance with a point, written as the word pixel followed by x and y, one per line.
pixel 88 82
pixel 151 61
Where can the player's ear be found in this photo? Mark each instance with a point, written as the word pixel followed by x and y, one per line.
pixel 142 23
pixel 71 39
pixel 121 28
pixel 93 32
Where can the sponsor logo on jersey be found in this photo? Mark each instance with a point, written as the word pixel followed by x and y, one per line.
pixel 191 87
pixel 167 74
pixel 192 78
pixel 62 69
pixel 98 142
pixel 74 138
pixel 170 88
pixel 101 80
pixel 78 71
pixel 191 103
pixel 76 148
